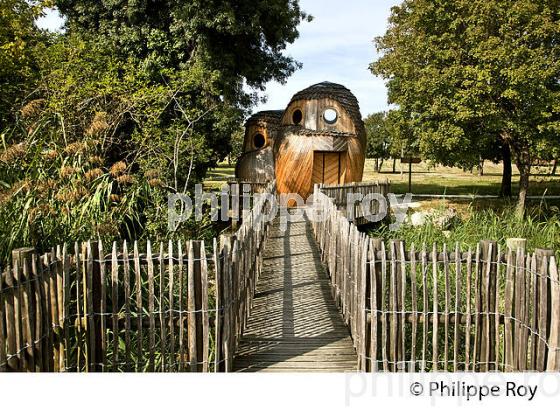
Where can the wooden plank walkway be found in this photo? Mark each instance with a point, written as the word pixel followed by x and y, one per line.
pixel 295 325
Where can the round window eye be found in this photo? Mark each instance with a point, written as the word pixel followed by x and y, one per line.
pixel 259 141
pixel 330 116
pixel 297 117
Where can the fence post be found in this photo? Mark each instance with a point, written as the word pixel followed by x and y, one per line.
pixel 488 295
pixel 515 243
pixel 95 335
pixel 376 247
pixel 395 290
pixel 234 204
pixel 11 333
pixel 542 308
pixel 553 362
pixel 218 306
pixel 194 330
pixel 196 246
pixel 226 300
pixel 373 300
pixel 22 263
pixel 510 297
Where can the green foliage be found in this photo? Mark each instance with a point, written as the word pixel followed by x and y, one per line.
pixel 188 63
pixel 97 155
pixel 378 136
pixel 237 140
pixel 401 128
pixel 133 101
pixel 390 134
pixel 240 40
pixel 20 46
pixel 472 71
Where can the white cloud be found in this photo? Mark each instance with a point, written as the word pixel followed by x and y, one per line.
pixel 337 46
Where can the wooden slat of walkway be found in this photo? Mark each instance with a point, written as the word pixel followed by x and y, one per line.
pixel 294 325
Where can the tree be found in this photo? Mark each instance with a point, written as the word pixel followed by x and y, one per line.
pixel 208 50
pixel 378 137
pixel 111 122
pixel 390 135
pixel 473 71
pixel 404 142
pixel 239 40
pixel 237 140
pixel 20 46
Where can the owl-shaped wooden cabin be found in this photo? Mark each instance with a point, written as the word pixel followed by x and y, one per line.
pixel 319 138
pixel 257 162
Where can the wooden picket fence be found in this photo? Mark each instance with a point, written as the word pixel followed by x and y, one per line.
pixel 238 186
pixel 364 205
pixel 408 309
pixel 178 306
pixel 182 306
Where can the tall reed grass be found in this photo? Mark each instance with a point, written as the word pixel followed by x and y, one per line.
pixel 541 228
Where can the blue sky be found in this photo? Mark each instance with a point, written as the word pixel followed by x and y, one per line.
pixel 336 46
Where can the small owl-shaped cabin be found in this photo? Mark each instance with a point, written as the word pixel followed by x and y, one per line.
pixel 319 138
pixel 256 164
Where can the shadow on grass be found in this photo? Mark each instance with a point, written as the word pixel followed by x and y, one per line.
pixel 537 188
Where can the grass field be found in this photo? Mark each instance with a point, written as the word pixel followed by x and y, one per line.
pixel 481 218
pixel 218 176
pixel 436 180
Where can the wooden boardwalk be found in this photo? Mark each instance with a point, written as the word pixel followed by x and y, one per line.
pixel 294 325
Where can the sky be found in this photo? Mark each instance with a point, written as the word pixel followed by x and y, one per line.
pixel 51 21
pixel 336 46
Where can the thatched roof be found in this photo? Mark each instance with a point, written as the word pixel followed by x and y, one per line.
pixel 265 118
pixel 337 92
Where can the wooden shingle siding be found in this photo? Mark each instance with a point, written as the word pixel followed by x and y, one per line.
pixel 294 144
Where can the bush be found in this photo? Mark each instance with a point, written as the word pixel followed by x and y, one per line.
pixel 96 148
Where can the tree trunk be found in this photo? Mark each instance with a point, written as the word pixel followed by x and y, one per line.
pixel 376 168
pixel 505 190
pixel 523 162
pixel 480 167
pixel 381 164
pixel 524 172
pixel 522 156
pixel 554 165
pixel 394 165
